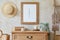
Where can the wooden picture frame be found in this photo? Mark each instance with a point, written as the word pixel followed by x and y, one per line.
pixel 57 3
pixel 30 13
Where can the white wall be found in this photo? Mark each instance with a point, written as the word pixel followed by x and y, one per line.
pixel 46 11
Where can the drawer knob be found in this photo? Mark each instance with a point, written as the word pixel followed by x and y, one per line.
pixel 29 37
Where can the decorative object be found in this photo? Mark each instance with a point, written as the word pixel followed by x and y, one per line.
pixel 56 19
pixel 55 28
pixel 9 9
pixel 30 13
pixel 19 29
pixel 56 15
pixel 57 2
pixel 4 36
pixel 36 28
pixel 1 33
pixel 44 27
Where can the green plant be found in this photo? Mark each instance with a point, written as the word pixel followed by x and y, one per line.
pixel 45 26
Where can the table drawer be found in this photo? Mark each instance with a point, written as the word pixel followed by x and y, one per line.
pixel 29 36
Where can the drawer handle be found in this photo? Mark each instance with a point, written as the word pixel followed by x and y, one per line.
pixel 29 37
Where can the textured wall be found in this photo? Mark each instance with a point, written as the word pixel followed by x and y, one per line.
pixel 46 11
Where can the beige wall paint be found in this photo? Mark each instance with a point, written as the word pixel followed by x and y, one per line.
pixel 46 11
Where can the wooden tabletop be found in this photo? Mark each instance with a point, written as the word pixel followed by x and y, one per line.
pixel 29 32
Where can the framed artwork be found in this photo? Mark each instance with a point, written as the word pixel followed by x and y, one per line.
pixel 30 13
pixel 57 2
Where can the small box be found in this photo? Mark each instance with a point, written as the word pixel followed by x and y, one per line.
pixel 19 28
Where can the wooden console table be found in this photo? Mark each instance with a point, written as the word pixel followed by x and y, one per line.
pixel 30 35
